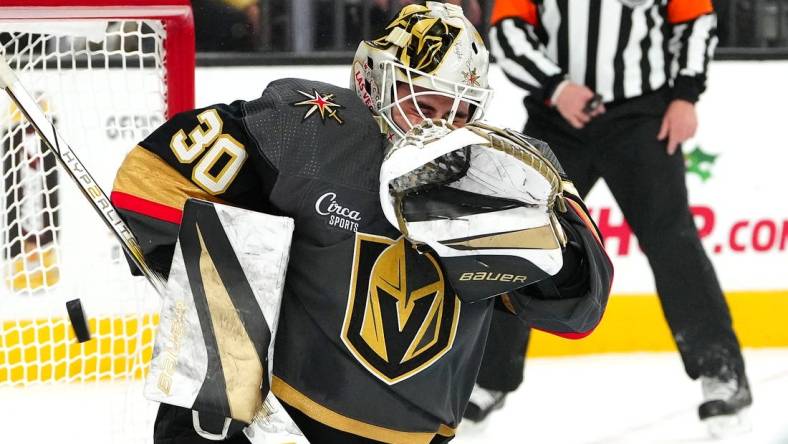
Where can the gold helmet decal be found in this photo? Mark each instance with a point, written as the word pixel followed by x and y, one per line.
pixel 423 41
pixel 403 318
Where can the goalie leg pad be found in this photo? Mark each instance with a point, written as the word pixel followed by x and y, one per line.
pixel 220 311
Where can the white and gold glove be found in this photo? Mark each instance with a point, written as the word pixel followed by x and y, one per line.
pixel 483 198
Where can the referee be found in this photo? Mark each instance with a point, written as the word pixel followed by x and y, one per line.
pixel 612 86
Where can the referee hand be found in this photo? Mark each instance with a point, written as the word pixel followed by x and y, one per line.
pixel 572 100
pixel 678 124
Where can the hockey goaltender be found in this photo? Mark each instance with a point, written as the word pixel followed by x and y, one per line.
pixel 381 331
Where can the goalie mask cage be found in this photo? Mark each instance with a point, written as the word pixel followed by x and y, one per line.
pixel 107 73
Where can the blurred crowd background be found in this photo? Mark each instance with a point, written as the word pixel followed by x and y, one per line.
pixel 312 27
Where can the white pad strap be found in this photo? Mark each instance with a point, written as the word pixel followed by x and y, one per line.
pixel 208 435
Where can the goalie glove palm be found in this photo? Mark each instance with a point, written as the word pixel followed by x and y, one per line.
pixel 482 198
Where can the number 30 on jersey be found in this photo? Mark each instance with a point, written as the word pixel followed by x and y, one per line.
pixel 225 156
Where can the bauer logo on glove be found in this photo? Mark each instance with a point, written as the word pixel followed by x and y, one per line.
pixel 484 199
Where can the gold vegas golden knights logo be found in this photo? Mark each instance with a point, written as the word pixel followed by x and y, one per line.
pixel 401 314
pixel 424 40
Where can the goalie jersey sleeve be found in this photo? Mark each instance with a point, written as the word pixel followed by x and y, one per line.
pixel 203 153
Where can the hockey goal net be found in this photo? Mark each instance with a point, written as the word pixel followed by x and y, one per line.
pixel 107 73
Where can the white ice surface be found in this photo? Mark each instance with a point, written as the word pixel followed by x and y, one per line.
pixel 605 399
pixel 628 398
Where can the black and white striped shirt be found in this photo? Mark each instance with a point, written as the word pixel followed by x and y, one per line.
pixel 618 48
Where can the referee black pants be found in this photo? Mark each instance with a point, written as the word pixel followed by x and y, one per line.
pixel 621 147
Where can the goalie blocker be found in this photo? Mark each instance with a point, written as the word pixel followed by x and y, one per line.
pixel 214 343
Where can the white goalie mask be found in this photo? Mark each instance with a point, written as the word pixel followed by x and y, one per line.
pixel 482 198
pixel 434 50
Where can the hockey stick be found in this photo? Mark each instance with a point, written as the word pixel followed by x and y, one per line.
pixel 74 167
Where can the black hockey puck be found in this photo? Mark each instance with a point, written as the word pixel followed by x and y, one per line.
pixel 79 322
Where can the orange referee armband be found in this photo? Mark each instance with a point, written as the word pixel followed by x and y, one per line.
pixel 522 9
pixel 685 10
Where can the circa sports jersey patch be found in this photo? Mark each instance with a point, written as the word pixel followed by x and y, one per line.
pixel 401 314
pixel 335 214
pixel 320 103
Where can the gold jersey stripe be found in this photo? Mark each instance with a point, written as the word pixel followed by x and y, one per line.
pixel 338 421
pixel 147 176
pixel 445 430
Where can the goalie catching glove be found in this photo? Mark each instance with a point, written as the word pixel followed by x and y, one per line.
pixel 484 199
